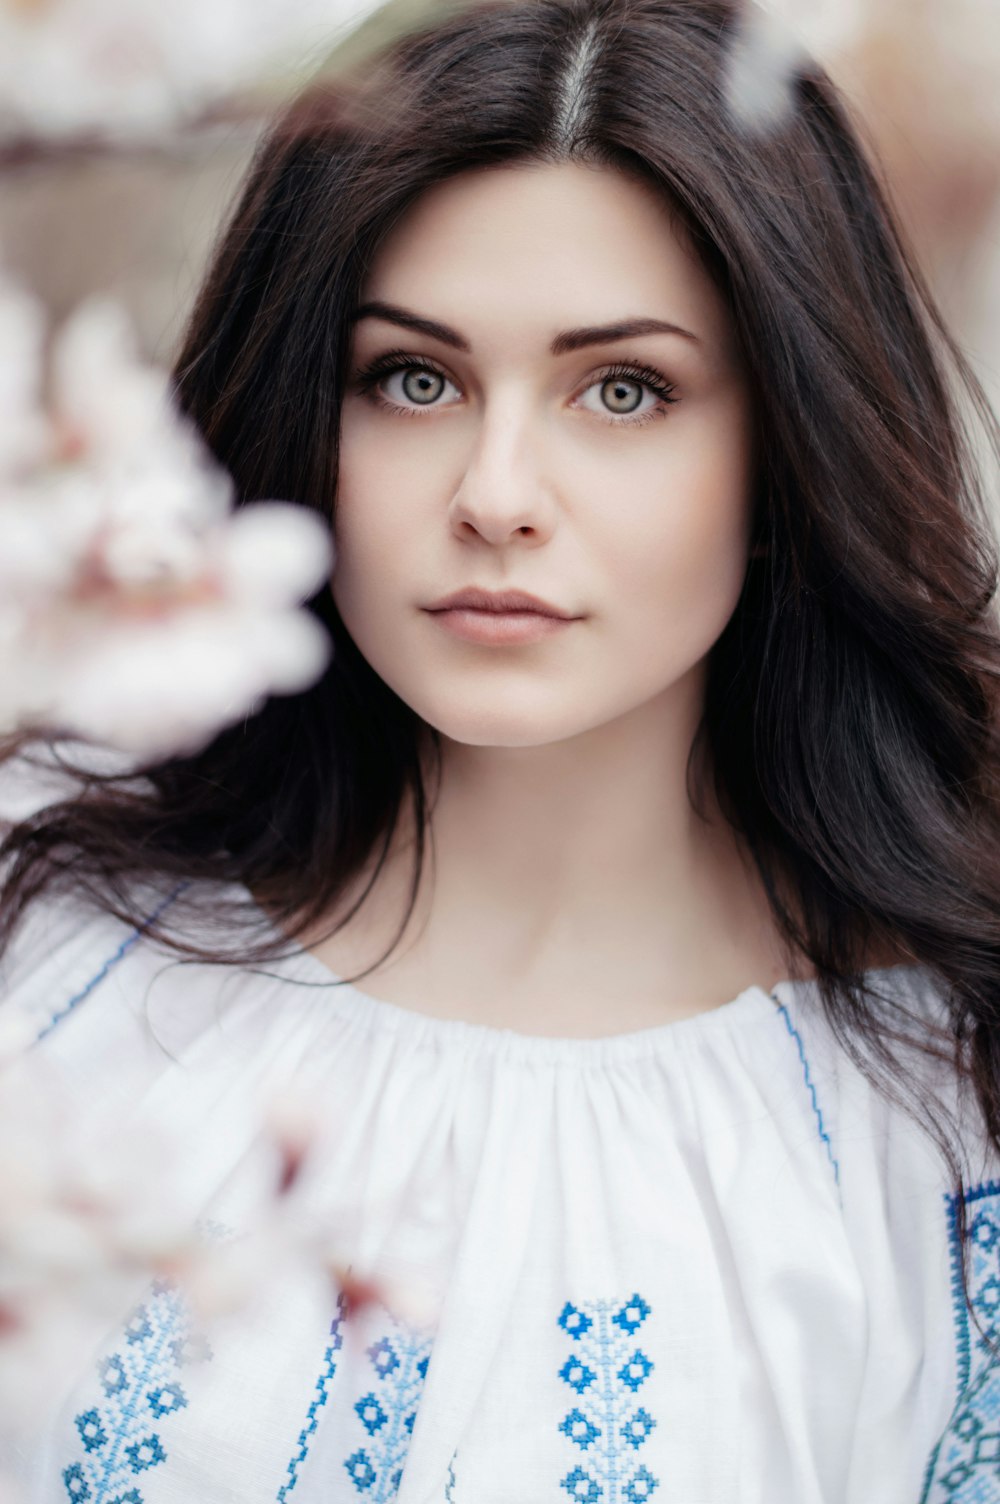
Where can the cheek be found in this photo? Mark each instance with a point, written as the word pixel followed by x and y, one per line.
pixel 380 519
pixel 681 541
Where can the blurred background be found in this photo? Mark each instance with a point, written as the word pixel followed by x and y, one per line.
pixel 135 211
pixel 121 144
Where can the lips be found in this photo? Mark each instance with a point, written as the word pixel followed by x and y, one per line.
pixel 499 602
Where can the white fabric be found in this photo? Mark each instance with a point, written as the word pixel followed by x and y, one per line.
pixel 719 1219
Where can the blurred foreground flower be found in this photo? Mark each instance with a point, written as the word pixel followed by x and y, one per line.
pixel 91 1229
pixel 138 609
pixel 774 38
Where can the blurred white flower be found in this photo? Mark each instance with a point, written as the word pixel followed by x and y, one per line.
pixel 135 68
pixel 138 608
pixel 90 1220
pixel 774 38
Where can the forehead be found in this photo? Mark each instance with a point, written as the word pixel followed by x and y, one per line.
pixel 517 251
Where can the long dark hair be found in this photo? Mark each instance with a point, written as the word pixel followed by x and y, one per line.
pixel 851 711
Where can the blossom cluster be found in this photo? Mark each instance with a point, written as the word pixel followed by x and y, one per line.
pixel 139 609
pixel 87 1227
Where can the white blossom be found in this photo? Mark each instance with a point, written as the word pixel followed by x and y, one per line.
pixel 773 39
pixel 91 1216
pixel 138 608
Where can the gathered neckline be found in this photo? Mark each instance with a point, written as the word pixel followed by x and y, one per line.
pixel 754 1003
pixel 429 1029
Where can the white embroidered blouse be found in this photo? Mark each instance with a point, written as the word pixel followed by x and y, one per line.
pixel 701 1263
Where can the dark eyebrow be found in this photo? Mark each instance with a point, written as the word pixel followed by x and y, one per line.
pixel 568 340
pixel 603 334
pixel 430 327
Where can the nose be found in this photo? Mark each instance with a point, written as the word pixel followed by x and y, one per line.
pixel 503 494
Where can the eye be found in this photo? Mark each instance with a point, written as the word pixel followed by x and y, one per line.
pixel 630 394
pixel 397 381
pixel 420 385
pixel 620 395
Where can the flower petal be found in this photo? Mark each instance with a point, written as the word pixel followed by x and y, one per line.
pixel 275 552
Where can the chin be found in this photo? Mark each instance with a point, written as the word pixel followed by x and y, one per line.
pixel 497 731
pixel 496 725
pixel 502 739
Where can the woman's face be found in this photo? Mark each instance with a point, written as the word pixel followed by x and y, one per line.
pixel 543 437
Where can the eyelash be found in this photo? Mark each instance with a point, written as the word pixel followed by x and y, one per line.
pixel 367 381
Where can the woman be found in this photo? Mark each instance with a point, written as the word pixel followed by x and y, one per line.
pixel 674 1079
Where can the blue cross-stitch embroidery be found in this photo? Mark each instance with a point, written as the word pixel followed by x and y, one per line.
pixel 384 1413
pixel 965 1465
pixel 140 1388
pixel 387 1411
pixel 319 1399
pixel 605 1371
pixel 811 1088
pixel 107 966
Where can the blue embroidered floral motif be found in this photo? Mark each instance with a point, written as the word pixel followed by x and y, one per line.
pixel 399 1360
pixel 386 1413
pixel 605 1372
pixel 92 1433
pixel 139 1388
pixel 965 1465
pixel 319 1399
pixel 449 1488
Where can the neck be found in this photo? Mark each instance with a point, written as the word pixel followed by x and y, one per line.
pixel 577 862
pixel 597 825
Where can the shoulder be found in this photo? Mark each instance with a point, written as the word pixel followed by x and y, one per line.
pixel 62 951
pixel 888 1084
pixel 69 942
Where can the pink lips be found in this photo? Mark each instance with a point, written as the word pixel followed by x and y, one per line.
pixel 497 600
pixel 498 617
